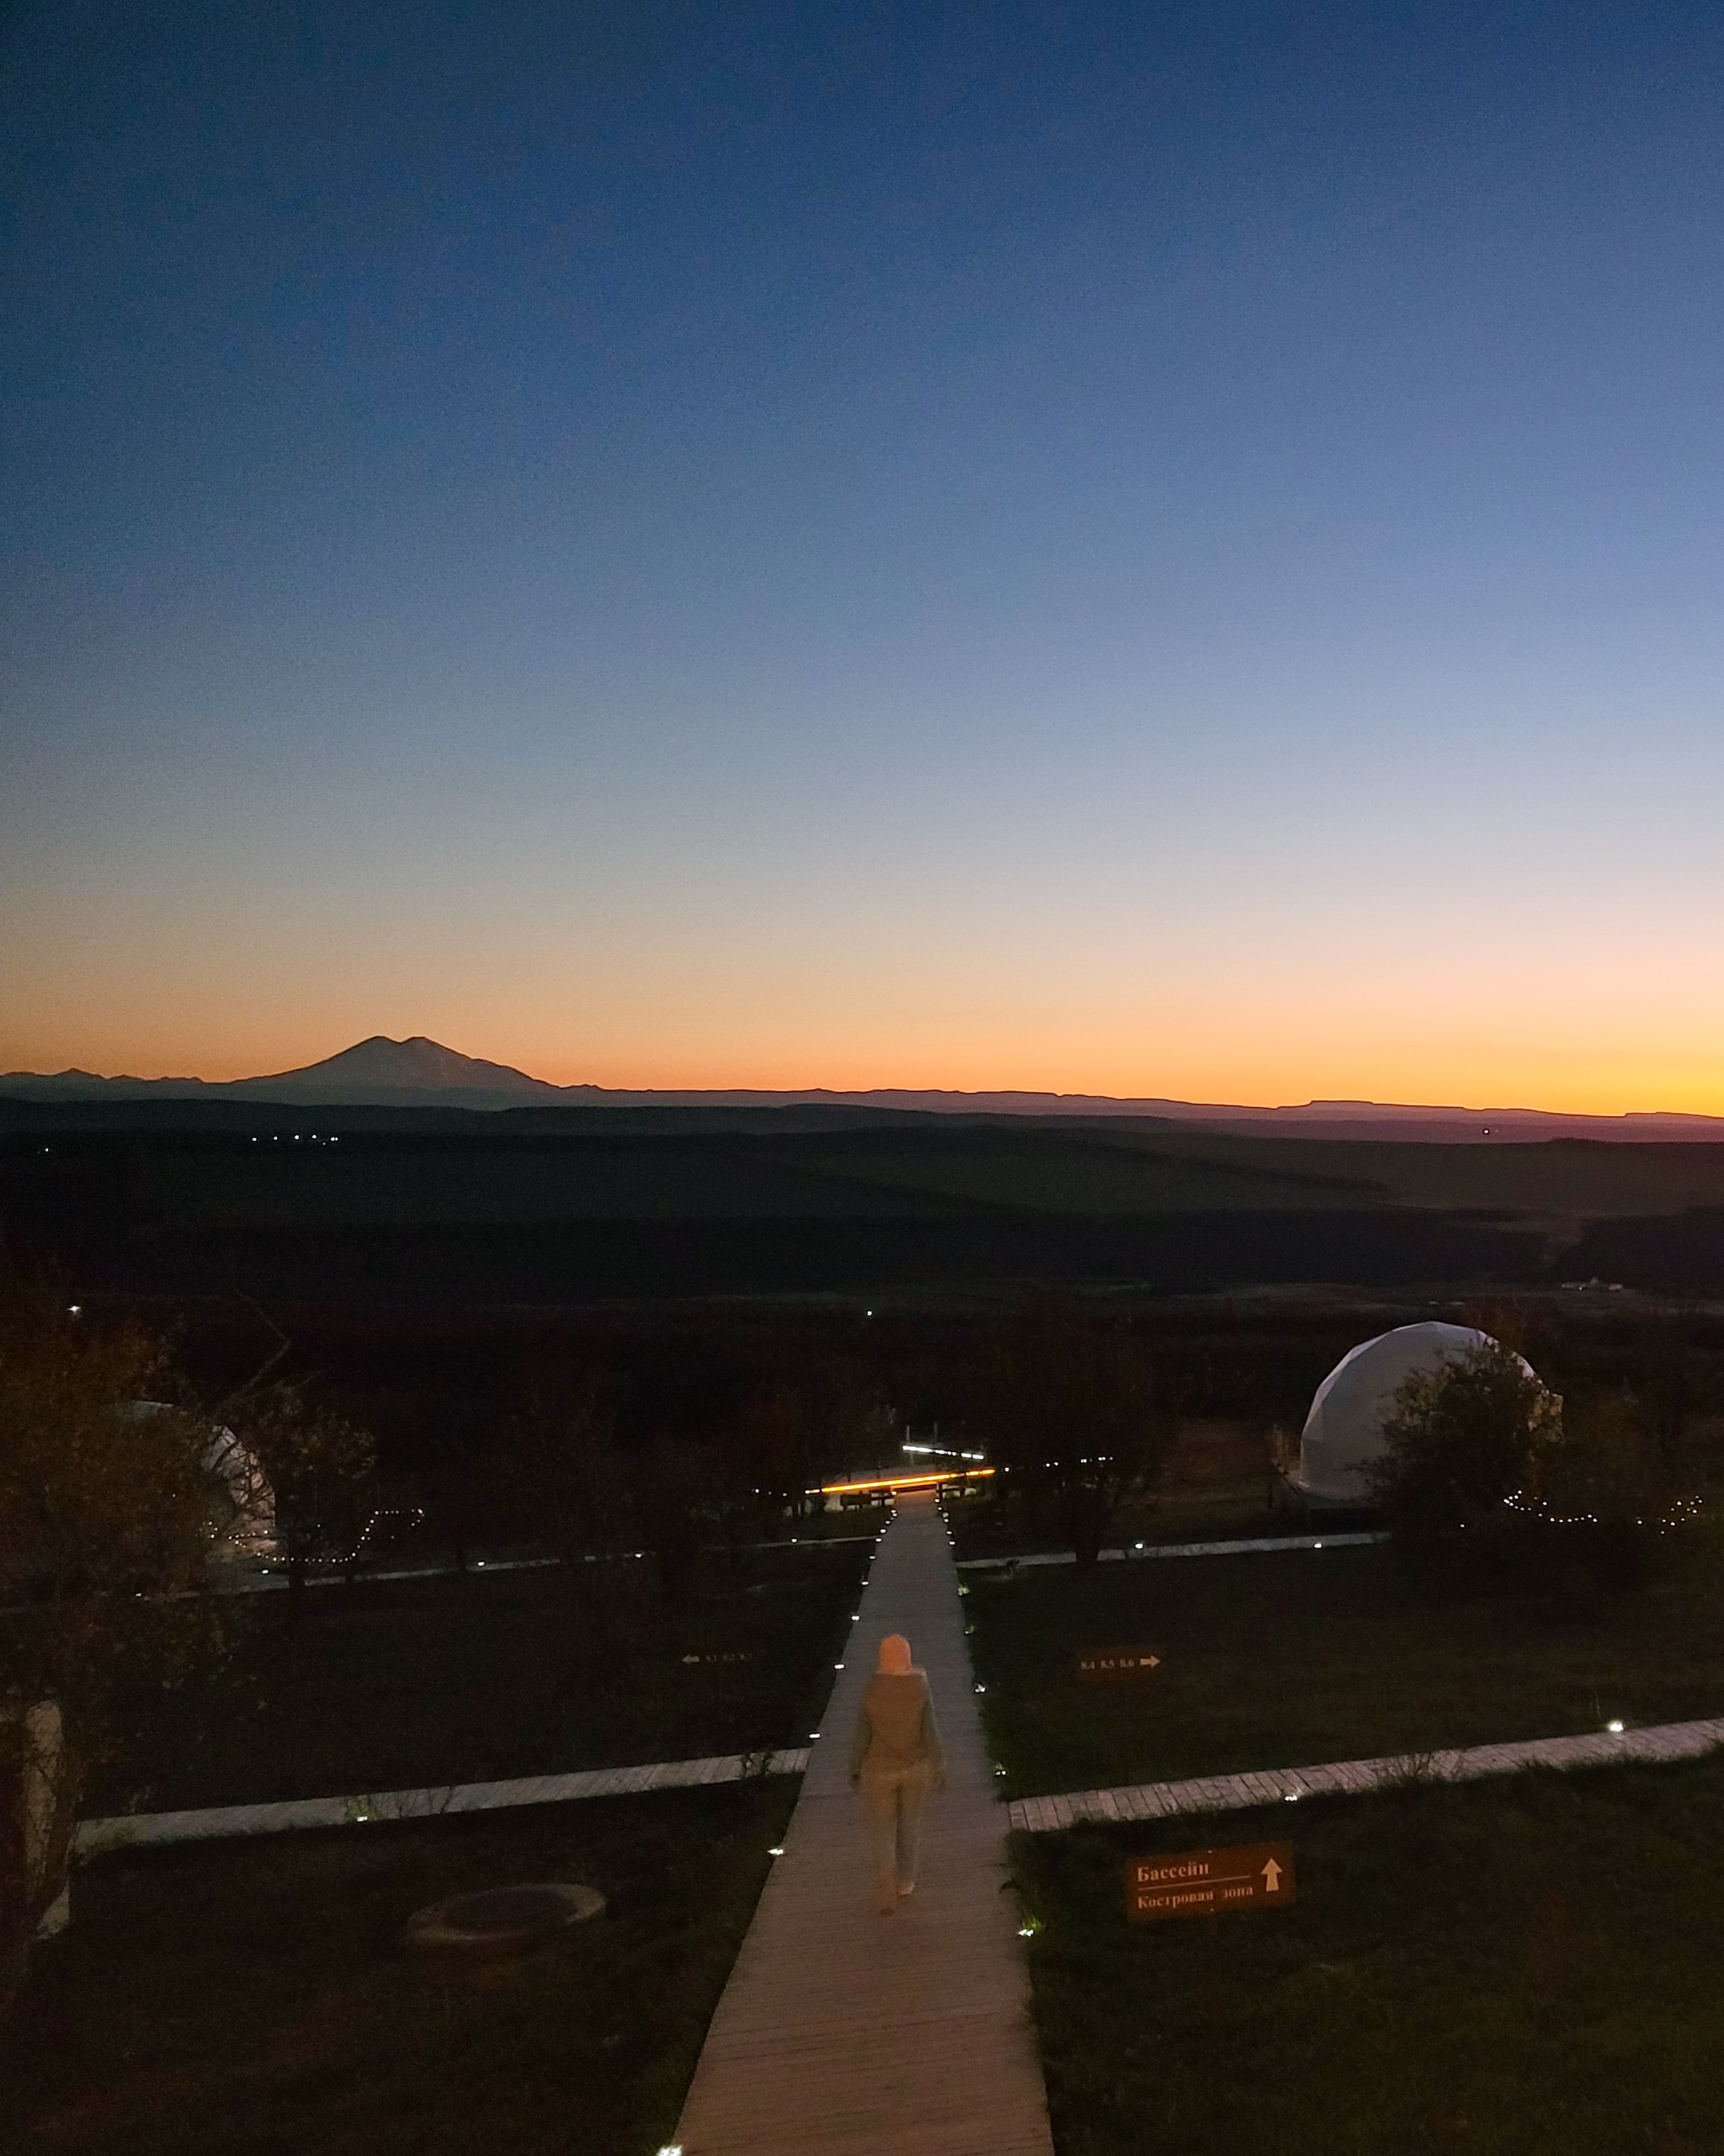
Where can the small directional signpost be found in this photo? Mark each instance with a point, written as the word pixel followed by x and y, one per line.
pixel 1113 1665
pixel 1204 1881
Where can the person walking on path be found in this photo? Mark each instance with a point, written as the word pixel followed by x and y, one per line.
pixel 895 1760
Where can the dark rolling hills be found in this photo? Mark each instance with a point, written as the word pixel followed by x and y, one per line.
pixel 537 1204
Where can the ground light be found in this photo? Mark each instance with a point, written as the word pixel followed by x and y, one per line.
pixel 1614 1728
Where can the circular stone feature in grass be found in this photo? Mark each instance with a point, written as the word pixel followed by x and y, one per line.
pixel 503 1919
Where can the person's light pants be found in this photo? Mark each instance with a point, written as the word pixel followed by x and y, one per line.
pixel 894 1798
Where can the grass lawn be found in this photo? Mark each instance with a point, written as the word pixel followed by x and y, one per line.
pixel 1290 1659
pixel 414 1684
pixel 1237 1514
pixel 1506 1968
pixel 254 1998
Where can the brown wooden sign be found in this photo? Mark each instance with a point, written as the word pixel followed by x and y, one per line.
pixel 1204 1881
pixel 1111 1665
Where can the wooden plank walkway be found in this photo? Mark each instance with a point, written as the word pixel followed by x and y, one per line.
pixel 1239 1792
pixel 221 1821
pixel 1012 1566
pixel 842 2031
pixel 1670 1740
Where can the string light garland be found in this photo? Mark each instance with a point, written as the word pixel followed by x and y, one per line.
pixel 415 1513
pixel 1685 1510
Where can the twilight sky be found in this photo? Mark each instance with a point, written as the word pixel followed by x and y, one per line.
pixel 1143 549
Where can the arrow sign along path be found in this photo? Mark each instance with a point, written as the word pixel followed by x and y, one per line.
pixel 1103 1663
pixel 1204 1882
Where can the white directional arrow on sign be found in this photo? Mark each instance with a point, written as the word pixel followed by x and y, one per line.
pixel 1272 1876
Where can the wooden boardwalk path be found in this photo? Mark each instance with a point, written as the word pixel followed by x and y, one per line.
pixel 842 2031
pixel 1239 1792
pixel 1141 1551
pixel 221 1821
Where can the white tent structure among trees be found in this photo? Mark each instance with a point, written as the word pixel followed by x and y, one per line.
pixel 241 1502
pixel 1343 1437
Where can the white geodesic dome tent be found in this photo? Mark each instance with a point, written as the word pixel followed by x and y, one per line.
pixel 1343 1432
pixel 242 1504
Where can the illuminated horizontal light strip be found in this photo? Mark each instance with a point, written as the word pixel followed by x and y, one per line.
pixel 899 1482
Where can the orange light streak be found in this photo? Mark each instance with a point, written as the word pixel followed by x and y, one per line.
pixel 898 1481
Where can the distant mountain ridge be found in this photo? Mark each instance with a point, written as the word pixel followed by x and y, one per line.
pixel 420 1073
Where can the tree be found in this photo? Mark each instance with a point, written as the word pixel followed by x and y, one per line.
pixel 555 1468
pixel 1463 1438
pixel 1606 1499
pixel 678 1493
pixel 320 1466
pixel 105 1529
pixel 776 1438
pixel 1077 1412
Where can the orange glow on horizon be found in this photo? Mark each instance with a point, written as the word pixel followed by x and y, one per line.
pixel 1625 1038
pixel 1258 1074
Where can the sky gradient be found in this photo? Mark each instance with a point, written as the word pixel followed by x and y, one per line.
pixel 1145 550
